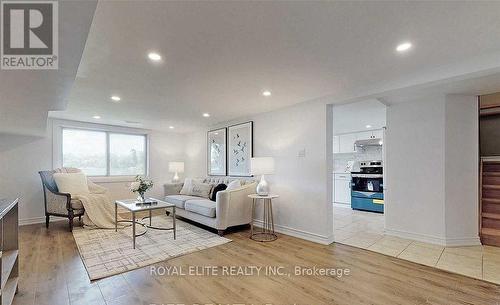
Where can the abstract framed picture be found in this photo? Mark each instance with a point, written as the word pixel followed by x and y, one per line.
pixel 216 152
pixel 240 149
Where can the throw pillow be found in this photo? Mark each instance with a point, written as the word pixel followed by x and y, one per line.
pixel 200 189
pixel 219 187
pixel 71 183
pixel 235 184
pixel 188 185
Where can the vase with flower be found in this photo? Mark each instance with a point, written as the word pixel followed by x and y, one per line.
pixel 141 186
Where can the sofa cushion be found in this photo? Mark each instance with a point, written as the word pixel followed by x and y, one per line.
pixel 200 206
pixel 179 200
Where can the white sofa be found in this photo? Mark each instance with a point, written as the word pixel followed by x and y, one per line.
pixel 231 208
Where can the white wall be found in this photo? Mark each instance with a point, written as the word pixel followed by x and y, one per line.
pixel 354 117
pixel 432 155
pixel 461 167
pixel 21 157
pixel 414 199
pixel 302 208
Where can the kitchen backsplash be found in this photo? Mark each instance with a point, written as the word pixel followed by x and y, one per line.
pixel 368 154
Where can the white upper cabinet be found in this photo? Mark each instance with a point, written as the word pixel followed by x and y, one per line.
pixel 365 135
pixel 344 143
pixel 347 142
pixel 378 134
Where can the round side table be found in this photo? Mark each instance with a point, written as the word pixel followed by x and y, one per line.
pixel 266 233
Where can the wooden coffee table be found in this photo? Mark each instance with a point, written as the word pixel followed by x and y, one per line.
pixel 134 206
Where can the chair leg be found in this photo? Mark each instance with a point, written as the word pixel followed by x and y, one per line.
pixel 70 216
pixel 71 223
pixel 47 220
pixel 80 218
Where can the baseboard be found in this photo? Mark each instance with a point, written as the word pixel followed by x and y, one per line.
pixel 465 241
pixel 342 205
pixel 445 242
pixel 35 220
pixel 317 238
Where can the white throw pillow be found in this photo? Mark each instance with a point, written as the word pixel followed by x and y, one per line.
pixel 235 184
pixel 71 183
pixel 188 182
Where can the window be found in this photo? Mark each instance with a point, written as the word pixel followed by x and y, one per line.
pixel 103 153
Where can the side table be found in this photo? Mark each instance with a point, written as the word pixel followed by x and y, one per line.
pixel 266 233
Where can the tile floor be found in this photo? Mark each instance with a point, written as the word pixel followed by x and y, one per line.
pixel 366 230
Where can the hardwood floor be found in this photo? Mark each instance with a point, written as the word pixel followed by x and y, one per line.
pixel 52 273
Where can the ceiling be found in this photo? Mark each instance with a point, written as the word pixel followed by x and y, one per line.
pixel 219 56
pixel 359 116
pixel 26 96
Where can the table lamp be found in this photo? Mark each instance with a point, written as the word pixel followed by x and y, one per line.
pixel 176 167
pixel 262 166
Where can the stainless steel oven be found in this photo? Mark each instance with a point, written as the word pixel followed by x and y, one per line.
pixel 367 187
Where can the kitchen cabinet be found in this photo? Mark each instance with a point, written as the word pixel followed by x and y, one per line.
pixel 347 142
pixel 342 188
pixel 344 143
pixel 378 134
pixel 372 134
pixel 364 135
pixel 336 144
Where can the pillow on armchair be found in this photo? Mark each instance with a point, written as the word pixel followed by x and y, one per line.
pixel 71 183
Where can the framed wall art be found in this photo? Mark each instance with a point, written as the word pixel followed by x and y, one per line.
pixel 240 149
pixel 216 152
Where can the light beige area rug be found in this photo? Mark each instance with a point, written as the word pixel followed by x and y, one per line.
pixel 106 252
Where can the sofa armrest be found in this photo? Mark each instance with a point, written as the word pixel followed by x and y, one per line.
pixel 173 188
pixel 234 207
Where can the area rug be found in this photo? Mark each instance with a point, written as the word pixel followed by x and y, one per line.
pixel 106 252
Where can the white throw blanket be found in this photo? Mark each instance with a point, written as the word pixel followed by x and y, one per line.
pixel 99 209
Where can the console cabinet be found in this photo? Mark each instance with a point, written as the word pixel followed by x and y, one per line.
pixel 9 254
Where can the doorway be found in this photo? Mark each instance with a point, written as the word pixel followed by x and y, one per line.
pixel 358 175
pixel 489 176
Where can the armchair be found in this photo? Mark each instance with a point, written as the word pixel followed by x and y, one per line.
pixel 59 204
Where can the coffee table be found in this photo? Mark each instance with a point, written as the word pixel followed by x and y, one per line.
pixel 134 206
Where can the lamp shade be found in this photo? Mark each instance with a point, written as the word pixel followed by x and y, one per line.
pixel 262 166
pixel 176 167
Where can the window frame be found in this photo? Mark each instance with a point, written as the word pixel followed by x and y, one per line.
pixel 59 127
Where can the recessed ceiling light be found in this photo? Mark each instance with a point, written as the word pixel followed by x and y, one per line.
pixel 368 126
pixel 206 115
pixel 154 56
pixel 405 46
pixel 116 98
pixel 97 117
pixel 171 127
pixel 266 93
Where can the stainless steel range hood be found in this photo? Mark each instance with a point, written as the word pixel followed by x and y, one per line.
pixel 368 142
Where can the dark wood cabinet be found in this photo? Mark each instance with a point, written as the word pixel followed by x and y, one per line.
pixel 9 255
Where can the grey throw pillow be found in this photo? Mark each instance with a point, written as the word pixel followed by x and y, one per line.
pixel 200 189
